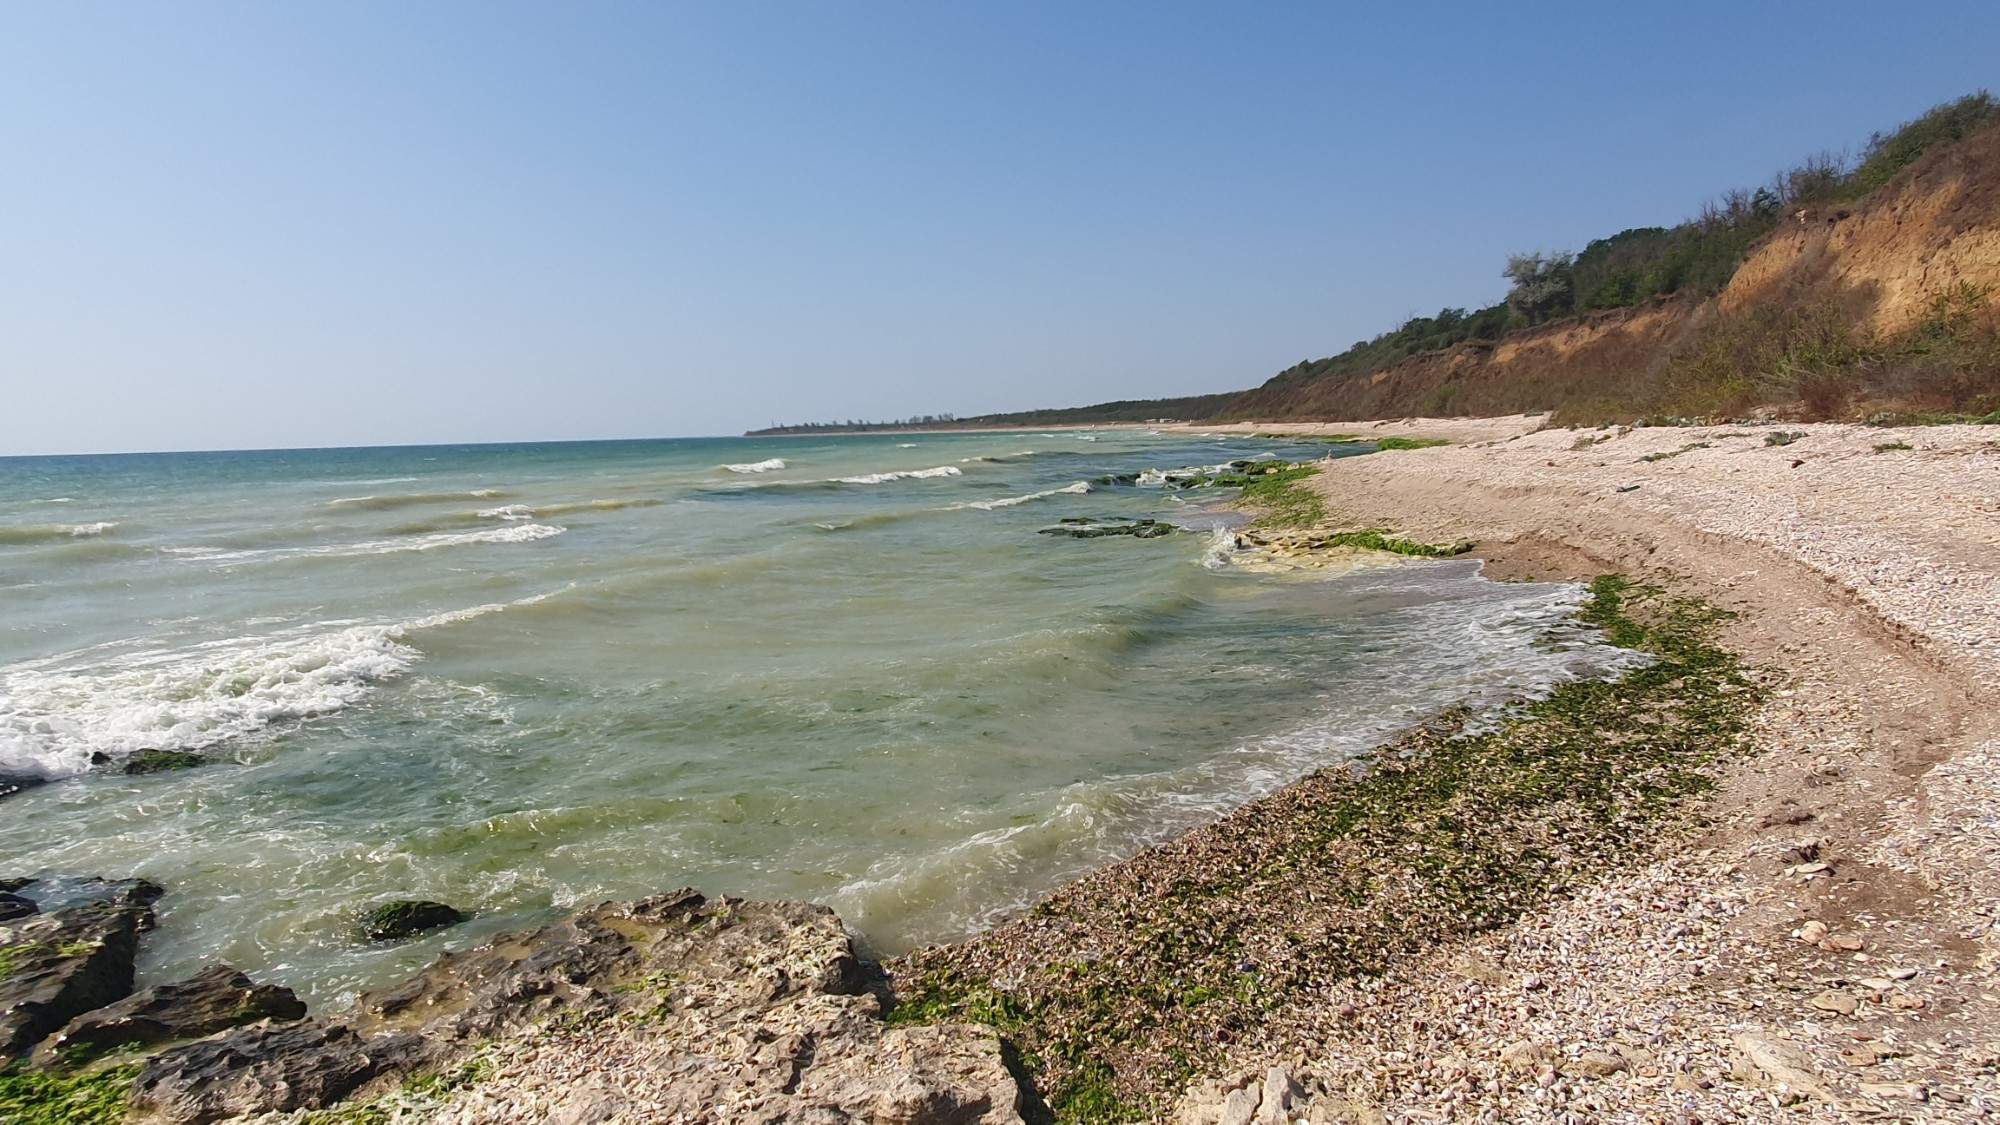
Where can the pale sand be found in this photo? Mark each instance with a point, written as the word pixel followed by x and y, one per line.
pixel 1871 580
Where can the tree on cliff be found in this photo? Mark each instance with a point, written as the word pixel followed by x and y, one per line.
pixel 1541 285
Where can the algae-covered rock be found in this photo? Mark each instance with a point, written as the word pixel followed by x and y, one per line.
pixel 1083 528
pixel 216 999
pixel 57 966
pixel 161 761
pixel 404 917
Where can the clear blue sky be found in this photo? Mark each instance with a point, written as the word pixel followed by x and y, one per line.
pixel 259 225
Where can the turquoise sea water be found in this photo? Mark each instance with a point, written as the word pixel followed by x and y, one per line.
pixel 523 678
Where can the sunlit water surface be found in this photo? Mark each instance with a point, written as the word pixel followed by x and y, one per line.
pixel 523 678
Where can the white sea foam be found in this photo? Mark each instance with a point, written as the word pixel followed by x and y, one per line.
pixel 56 712
pixel 517 533
pixel 507 512
pixel 906 445
pixel 771 465
pixel 909 474
pixel 1077 489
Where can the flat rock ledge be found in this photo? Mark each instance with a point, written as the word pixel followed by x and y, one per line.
pixel 672 1008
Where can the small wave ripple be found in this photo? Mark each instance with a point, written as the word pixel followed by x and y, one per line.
pixel 516 533
pixel 53 532
pixel 771 465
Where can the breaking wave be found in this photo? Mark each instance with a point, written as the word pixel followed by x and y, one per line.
pixel 907 474
pixel 56 713
pixel 1077 489
pixel 771 465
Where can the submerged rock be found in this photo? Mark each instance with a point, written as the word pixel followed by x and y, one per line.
pixel 161 761
pixel 13 906
pixel 404 917
pixel 1082 528
pixel 216 999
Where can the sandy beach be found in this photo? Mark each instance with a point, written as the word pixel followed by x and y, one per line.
pixel 1824 947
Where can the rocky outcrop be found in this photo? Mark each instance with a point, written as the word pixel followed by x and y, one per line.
pixel 264 1069
pixel 216 999
pixel 671 1005
pixel 74 953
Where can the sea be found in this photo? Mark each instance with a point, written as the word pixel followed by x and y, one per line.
pixel 863 670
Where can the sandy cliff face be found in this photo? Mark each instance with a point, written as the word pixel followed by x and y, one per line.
pixel 1883 263
pixel 1930 230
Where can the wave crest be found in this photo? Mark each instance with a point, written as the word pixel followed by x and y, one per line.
pixel 907 474
pixel 53 532
pixel 55 714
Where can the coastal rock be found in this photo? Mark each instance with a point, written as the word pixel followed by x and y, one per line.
pixel 216 999
pixel 405 917
pixel 1781 1061
pixel 13 906
pixel 702 1004
pixel 1598 1064
pixel 257 1070
pixel 12 783
pixel 58 893
pixel 1836 1001
pixel 55 966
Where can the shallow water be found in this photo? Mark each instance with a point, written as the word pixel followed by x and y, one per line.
pixel 523 678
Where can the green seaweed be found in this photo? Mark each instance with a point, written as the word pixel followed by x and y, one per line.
pixel 1439 834
pixel 37 1097
pixel 1784 437
pixel 14 957
pixel 1379 539
pixel 1410 442
pixel 1282 501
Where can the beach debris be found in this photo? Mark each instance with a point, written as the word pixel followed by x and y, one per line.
pixel 404 917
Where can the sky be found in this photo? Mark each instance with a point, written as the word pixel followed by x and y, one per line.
pixel 308 224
